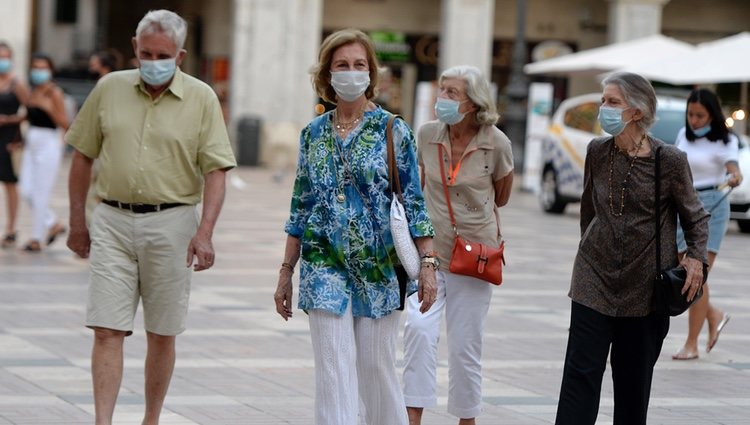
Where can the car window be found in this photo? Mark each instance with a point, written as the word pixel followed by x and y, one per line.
pixel 668 124
pixel 584 117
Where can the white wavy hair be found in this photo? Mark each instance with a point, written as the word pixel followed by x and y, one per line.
pixel 166 22
pixel 477 89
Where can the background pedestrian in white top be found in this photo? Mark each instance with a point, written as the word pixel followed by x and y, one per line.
pixel 712 154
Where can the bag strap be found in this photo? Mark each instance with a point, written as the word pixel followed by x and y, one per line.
pixel 392 168
pixel 445 189
pixel 448 196
pixel 657 209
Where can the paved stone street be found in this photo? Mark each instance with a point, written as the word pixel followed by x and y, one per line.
pixel 240 363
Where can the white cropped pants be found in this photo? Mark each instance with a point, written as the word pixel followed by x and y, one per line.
pixel 42 155
pixel 355 357
pixel 466 301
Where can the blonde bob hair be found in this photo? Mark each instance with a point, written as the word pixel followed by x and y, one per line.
pixel 321 72
pixel 478 91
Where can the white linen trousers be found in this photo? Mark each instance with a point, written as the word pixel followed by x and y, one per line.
pixel 42 155
pixel 466 301
pixel 355 357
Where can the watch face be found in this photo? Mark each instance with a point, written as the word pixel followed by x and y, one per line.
pixel 431 260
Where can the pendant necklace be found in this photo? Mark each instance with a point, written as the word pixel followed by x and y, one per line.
pixel 346 174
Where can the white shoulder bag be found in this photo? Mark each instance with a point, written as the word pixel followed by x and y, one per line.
pixel 402 240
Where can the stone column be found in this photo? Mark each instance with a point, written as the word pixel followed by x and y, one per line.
pixel 15 22
pixel 275 44
pixel 466 34
pixel 632 19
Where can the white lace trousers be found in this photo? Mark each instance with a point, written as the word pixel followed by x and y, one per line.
pixel 466 301
pixel 355 357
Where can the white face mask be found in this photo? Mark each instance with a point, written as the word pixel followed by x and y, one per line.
pixel 350 85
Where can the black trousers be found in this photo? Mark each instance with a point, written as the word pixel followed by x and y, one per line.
pixel 636 343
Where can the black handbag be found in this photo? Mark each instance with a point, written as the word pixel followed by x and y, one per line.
pixel 668 284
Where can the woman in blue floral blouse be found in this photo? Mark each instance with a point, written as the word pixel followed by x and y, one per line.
pixel 339 230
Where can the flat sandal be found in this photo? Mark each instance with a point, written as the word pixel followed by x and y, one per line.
pixel 9 240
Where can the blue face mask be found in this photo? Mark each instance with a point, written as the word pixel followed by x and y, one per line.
pixel 700 132
pixel 446 110
pixel 39 76
pixel 611 120
pixel 158 72
pixel 5 65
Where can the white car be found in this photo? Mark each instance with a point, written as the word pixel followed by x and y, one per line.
pixel 573 126
pixel 739 199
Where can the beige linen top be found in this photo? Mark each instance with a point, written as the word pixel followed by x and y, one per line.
pixel 615 267
pixel 152 151
pixel 487 159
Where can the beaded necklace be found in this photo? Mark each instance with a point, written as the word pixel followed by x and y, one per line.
pixel 343 127
pixel 627 176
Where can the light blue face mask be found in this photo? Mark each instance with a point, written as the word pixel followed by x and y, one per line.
pixel 157 72
pixel 611 119
pixel 5 65
pixel 700 132
pixel 39 76
pixel 446 110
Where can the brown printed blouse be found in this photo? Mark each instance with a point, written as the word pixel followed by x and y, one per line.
pixel 614 269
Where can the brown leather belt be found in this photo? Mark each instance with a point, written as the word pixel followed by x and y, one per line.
pixel 140 208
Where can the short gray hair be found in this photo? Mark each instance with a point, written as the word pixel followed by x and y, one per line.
pixel 477 89
pixel 166 22
pixel 638 93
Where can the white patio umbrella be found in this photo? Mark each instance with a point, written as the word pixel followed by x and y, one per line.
pixel 614 56
pixel 726 60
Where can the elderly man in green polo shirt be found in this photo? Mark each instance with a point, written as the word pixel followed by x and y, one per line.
pixel 161 141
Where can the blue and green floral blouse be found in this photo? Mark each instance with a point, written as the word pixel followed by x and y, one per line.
pixel 340 211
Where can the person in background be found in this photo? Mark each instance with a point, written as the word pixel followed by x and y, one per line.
pixel 712 152
pixel 481 177
pixel 43 151
pixel 613 313
pixel 163 147
pixel 13 95
pixel 102 63
pixel 339 230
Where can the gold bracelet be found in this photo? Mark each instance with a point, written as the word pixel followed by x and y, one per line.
pixel 287 266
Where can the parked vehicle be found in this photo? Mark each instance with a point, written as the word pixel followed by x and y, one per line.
pixel 573 126
pixel 739 199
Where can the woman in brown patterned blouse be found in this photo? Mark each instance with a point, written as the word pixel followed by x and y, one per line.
pixel 614 271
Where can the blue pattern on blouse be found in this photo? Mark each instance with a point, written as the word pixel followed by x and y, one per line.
pixel 346 247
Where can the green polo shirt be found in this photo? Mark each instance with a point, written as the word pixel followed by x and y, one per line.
pixel 152 151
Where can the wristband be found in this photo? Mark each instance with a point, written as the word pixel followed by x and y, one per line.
pixel 429 254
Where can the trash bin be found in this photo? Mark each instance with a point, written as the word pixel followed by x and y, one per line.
pixel 248 140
